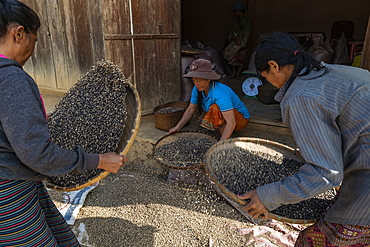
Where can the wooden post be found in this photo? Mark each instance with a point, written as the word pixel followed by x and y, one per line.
pixel 365 60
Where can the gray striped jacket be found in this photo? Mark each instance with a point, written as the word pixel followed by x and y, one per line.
pixel 328 112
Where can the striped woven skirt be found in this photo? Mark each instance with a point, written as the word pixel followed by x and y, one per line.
pixel 28 216
pixel 325 234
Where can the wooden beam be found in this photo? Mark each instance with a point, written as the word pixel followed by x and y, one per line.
pixel 140 36
pixel 257 120
pixel 52 91
pixel 365 60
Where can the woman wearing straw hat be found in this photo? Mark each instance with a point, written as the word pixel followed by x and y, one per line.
pixel 216 104
pixel 238 36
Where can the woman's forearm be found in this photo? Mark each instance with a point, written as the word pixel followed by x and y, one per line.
pixel 185 118
pixel 228 131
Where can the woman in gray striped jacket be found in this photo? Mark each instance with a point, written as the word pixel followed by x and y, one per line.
pixel 327 108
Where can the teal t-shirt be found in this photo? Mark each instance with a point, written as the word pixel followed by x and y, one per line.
pixel 223 96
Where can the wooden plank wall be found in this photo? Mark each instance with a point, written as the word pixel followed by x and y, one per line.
pixel 40 65
pixel 70 42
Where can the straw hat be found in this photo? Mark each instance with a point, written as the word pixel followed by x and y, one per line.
pixel 239 5
pixel 202 68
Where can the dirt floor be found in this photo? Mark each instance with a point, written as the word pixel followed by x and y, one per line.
pixel 139 206
pixel 144 209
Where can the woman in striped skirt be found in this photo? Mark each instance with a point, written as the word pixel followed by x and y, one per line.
pixel 28 217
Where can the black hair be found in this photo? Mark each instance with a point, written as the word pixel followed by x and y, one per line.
pixel 13 11
pixel 200 97
pixel 284 49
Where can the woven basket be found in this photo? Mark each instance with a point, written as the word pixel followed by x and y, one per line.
pixel 165 121
pixel 254 144
pixel 174 137
pixel 266 94
pixel 129 133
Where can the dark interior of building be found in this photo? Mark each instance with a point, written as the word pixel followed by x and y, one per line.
pixel 209 21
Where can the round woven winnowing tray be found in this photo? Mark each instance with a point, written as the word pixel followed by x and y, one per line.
pixel 254 144
pixel 173 137
pixel 129 133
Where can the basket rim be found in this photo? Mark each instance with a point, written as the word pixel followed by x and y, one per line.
pixel 137 121
pixel 231 194
pixel 165 121
pixel 125 150
pixel 91 181
pixel 169 104
pixel 179 133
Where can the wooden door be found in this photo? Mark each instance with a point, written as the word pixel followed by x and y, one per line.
pixel 143 38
